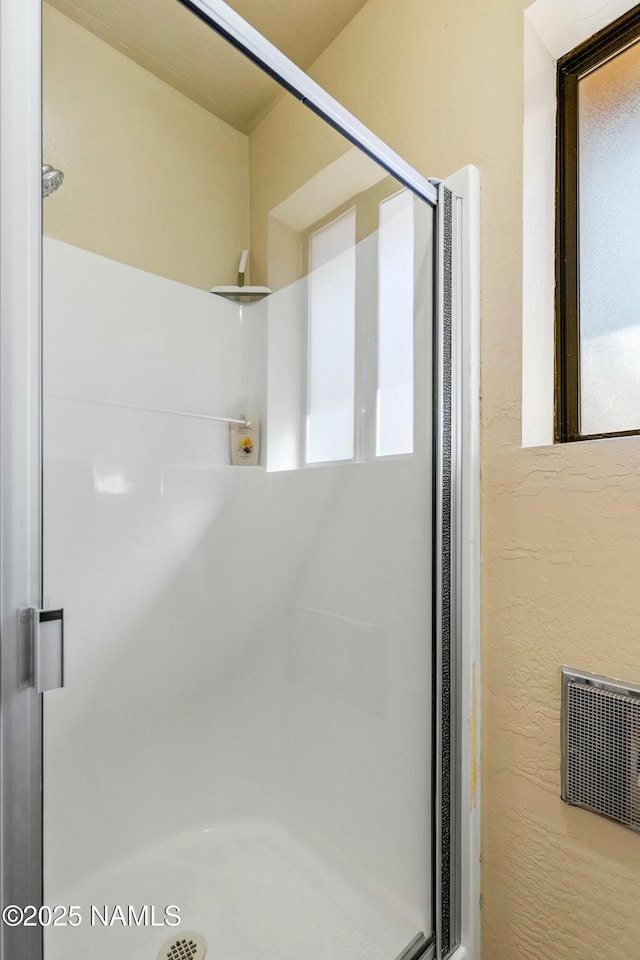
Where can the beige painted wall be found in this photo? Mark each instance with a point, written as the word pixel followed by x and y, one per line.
pixel 309 146
pixel 441 82
pixel 151 178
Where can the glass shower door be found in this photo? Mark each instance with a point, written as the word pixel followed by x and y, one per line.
pixel 240 760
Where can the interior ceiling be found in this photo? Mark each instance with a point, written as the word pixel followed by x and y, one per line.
pixel 169 41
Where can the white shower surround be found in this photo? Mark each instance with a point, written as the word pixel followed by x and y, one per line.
pixel 236 639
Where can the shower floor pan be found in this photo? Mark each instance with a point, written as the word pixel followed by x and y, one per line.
pixel 253 892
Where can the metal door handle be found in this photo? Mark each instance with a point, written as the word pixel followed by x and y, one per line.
pixel 46 630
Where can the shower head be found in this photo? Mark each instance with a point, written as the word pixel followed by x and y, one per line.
pixel 51 179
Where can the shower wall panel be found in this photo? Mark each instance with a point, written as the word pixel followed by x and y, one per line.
pixel 168 721
pixel 352 564
pixel 342 599
pixel 248 649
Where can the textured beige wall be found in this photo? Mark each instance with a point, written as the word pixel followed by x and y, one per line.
pixel 152 179
pixel 441 82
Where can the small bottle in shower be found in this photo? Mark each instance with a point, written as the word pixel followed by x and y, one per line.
pixel 245 442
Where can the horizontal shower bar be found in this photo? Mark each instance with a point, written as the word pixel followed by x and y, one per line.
pixel 134 406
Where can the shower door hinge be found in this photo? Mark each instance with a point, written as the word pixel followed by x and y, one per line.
pixel 46 647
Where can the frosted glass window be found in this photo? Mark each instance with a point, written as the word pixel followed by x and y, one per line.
pixel 332 307
pixel 394 432
pixel 609 245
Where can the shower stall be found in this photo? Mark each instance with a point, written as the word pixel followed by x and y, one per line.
pixel 238 701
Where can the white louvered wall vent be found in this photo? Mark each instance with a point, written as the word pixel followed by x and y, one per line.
pixel 601 746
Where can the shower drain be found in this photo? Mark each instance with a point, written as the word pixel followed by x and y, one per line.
pixel 190 946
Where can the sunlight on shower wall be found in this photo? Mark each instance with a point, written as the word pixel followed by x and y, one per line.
pixel 342 317
pixel 332 340
pixel 394 396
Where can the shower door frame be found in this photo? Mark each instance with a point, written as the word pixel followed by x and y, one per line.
pixel 455 506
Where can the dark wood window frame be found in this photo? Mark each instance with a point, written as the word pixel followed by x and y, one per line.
pixel 576 64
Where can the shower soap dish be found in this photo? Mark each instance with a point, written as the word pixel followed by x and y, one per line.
pixel 242 293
